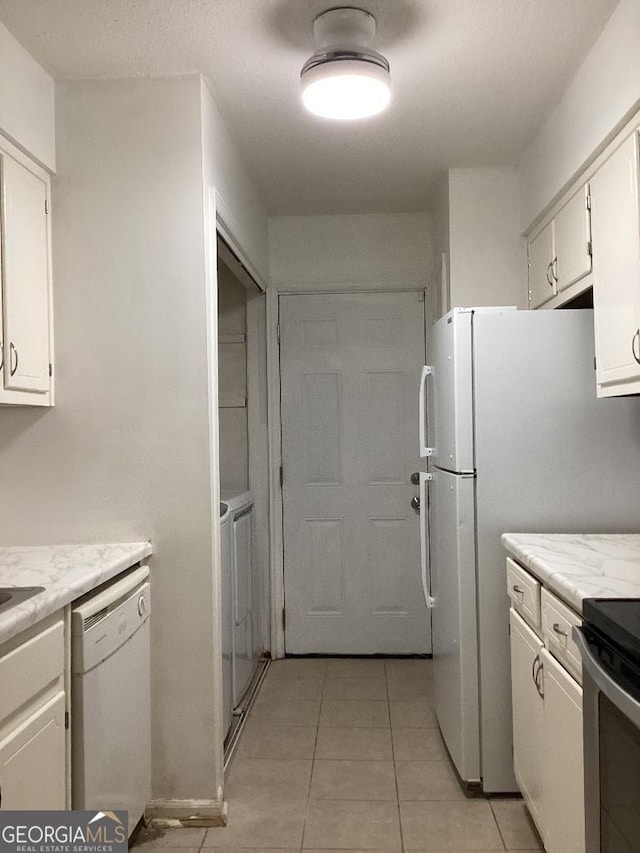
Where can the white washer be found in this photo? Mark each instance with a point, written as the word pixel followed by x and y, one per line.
pixel 240 507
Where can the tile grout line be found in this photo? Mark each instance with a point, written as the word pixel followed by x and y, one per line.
pixel 393 758
pixel 313 760
pixel 497 822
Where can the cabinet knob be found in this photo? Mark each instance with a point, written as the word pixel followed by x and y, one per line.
pixel 635 338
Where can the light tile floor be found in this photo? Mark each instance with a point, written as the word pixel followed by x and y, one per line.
pixel 345 755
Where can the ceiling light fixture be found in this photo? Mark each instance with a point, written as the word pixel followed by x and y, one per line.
pixel 345 78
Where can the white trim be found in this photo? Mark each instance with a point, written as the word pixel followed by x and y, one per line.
pixel 602 153
pixel 211 303
pixel 276 541
pixel 231 232
pixel 445 284
pixel 214 811
pixel 355 285
pixel 258 458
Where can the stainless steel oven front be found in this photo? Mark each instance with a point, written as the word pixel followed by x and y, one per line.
pixel 611 712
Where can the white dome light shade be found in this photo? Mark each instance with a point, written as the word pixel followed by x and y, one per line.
pixel 346 89
pixel 345 78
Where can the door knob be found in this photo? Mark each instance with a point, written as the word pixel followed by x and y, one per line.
pixel 415 478
pixel 415 503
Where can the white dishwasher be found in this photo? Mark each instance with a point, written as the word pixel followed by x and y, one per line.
pixel 111 701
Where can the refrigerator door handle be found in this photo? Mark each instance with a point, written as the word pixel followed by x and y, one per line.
pixel 422 397
pixel 424 557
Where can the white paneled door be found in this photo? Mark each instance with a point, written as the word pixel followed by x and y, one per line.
pixel 350 368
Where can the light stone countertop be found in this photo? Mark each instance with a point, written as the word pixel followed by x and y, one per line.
pixel 578 566
pixel 65 571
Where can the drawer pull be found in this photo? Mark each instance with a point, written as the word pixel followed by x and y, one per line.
pixel 12 349
pixel 517 589
pixel 558 630
pixel 537 674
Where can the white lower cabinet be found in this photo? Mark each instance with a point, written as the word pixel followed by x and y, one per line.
pixel 528 714
pixel 33 737
pixel 563 774
pixel 547 724
pixel 32 760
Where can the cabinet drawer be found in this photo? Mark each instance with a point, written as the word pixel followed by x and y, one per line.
pixel 27 668
pixel 524 592
pixel 557 624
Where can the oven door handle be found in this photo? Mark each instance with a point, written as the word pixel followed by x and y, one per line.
pixel 624 702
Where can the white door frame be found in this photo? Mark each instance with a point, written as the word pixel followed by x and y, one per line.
pixel 276 535
pixel 217 220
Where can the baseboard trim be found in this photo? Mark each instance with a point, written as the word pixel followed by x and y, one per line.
pixel 187 812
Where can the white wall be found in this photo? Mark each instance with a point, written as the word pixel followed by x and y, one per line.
pixel 604 90
pixel 441 213
pixel 351 251
pixel 27 113
pixel 241 204
pixel 125 453
pixel 487 255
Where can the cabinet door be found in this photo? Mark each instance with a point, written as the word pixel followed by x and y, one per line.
pixel 615 227
pixel 572 238
pixel 542 286
pixel 25 285
pixel 32 760
pixel 528 715
pixel 563 779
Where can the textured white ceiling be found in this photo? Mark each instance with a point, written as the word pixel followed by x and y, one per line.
pixel 472 80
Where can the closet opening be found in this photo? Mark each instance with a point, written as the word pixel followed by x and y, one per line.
pixel 243 454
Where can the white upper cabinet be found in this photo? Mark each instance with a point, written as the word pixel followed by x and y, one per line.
pixel 616 250
pixel 572 239
pixel 542 286
pixel 26 293
pixel 560 253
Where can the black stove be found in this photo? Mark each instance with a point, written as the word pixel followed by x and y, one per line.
pixel 612 629
pixel 609 642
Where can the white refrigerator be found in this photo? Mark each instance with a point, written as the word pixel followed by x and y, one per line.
pixel 516 441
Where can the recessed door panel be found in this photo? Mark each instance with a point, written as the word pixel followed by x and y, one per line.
pixel 382 422
pixel 321 405
pixel 324 565
pixel 389 540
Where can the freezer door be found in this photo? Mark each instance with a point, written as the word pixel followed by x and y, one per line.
pixel 454 622
pixel 450 392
